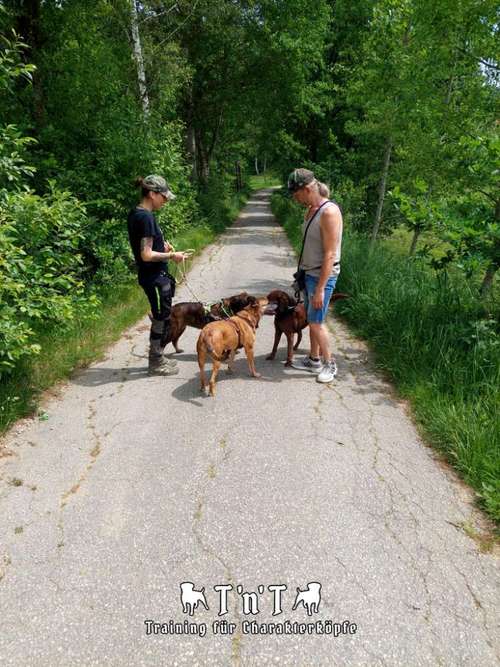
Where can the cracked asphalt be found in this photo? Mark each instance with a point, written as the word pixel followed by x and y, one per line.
pixel 134 485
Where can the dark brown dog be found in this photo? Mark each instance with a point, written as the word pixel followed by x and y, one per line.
pixel 221 339
pixel 194 314
pixel 290 319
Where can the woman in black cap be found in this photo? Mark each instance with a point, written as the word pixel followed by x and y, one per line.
pixel 321 262
pixel 151 254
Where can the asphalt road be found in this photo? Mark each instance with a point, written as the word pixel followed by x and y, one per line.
pixel 134 485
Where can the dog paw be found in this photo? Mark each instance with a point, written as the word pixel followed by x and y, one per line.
pixel 270 357
pixel 256 375
pixel 287 364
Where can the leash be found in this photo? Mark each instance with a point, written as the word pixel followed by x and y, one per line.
pixel 185 282
pixel 228 313
pixel 206 306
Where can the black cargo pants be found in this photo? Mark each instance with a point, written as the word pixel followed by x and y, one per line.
pixel 160 292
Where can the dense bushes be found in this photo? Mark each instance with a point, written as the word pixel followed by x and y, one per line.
pixel 438 341
pixel 41 270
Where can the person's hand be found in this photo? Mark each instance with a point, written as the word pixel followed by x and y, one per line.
pixel 180 256
pixel 177 257
pixel 317 300
pixel 169 247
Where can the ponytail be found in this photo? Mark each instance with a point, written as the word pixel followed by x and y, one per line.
pixel 139 183
pixel 323 189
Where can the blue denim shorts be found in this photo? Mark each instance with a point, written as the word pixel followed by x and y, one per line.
pixel 317 315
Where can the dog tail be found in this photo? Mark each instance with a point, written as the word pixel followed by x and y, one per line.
pixel 340 295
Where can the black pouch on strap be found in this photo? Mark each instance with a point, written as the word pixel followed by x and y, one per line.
pixel 299 280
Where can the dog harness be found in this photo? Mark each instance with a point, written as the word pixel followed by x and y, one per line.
pixel 207 307
pixel 238 332
pixel 237 329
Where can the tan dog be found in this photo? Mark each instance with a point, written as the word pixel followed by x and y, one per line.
pixel 220 340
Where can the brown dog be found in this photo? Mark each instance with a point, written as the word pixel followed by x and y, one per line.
pixel 194 314
pixel 221 339
pixel 290 319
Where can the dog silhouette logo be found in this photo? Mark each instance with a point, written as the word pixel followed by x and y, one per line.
pixel 310 598
pixel 191 598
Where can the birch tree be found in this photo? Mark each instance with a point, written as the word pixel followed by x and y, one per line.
pixel 139 60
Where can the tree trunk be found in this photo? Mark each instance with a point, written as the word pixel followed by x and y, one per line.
pixel 202 160
pixel 141 73
pixel 256 165
pixel 264 166
pixel 191 134
pixel 381 190
pixel 206 147
pixel 487 281
pixel 28 23
pixel 416 233
pixel 239 182
pixel 191 148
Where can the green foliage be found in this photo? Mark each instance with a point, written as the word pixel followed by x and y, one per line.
pixel 12 66
pixel 220 202
pixel 41 268
pixel 13 167
pixel 288 213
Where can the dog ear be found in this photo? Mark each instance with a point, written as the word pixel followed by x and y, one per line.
pixel 282 303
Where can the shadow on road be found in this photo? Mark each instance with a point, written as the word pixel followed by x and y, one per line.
pixel 272 371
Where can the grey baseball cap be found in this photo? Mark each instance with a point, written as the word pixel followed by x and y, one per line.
pixel 158 184
pixel 298 178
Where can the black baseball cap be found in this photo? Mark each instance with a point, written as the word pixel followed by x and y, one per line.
pixel 298 178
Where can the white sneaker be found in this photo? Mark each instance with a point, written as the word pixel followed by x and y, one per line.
pixel 308 364
pixel 328 373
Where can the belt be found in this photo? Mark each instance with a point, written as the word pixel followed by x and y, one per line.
pixel 314 268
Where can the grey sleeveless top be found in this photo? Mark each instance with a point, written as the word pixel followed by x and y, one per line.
pixel 312 257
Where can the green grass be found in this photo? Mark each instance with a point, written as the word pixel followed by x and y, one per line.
pixel 400 241
pixel 267 180
pixel 63 350
pixel 82 341
pixel 438 342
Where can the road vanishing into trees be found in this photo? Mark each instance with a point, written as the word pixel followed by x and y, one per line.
pixel 135 485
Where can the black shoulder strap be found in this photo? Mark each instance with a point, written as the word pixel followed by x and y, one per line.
pixel 307 229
